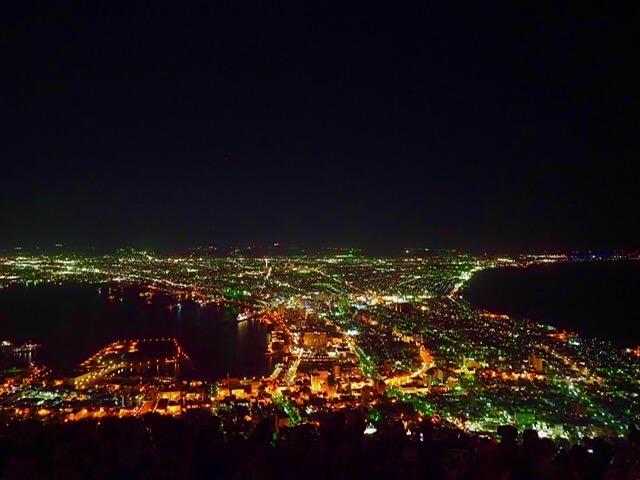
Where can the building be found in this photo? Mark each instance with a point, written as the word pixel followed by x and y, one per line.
pixel 536 363
pixel 317 340
pixel 525 418
pixel 319 381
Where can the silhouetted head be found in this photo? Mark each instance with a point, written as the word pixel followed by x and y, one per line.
pixel 508 434
pixel 546 448
pixel 530 438
pixel 397 430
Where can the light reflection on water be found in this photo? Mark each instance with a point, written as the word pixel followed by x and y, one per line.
pixel 18 360
pixel 71 323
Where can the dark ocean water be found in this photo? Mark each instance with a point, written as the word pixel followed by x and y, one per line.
pixel 595 299
pixel 72 322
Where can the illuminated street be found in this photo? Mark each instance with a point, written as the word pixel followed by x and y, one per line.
pixel 343 328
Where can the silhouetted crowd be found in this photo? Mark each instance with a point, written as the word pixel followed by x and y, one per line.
pixel 161 447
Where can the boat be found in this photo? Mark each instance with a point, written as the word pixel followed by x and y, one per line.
pixel 9 347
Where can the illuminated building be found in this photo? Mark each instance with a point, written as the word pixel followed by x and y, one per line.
pixel 316 340
pixel 536 362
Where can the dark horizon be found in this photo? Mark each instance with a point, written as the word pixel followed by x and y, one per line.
pixel 505 128
pixel 283 249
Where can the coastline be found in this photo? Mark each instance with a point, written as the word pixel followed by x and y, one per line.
pixel 536 289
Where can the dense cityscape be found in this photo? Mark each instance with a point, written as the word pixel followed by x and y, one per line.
pixel 391 336
pixel 197 134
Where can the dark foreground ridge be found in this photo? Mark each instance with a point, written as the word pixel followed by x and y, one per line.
pixel 212 447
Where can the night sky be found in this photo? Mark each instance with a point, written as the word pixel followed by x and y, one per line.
pixel 485 126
